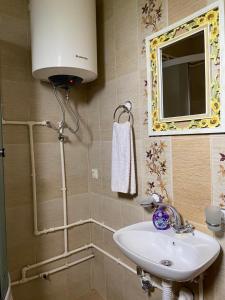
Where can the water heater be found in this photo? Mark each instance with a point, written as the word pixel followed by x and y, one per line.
pixel 63 39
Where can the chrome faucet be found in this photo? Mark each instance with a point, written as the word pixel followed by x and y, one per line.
pixel 155 201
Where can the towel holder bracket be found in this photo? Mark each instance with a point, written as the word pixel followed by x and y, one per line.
pixel 126 108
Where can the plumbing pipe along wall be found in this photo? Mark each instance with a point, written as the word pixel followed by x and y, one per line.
pixel 165 287
pixel 65 226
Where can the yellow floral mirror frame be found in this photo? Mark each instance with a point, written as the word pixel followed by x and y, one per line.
pixel 208 20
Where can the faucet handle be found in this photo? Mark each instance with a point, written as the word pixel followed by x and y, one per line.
pixel 151 200
pixel 189 225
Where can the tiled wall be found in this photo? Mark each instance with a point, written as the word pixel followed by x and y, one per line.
pixel 23 99
pixel 191 170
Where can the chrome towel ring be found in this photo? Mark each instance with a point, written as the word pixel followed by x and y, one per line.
pixel 126 108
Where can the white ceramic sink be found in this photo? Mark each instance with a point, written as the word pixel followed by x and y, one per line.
pixel 190 254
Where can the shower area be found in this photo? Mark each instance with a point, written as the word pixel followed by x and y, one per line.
pixel 46 140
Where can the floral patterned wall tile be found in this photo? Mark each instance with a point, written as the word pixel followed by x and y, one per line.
pixel 152 17
pixel 218 169
pixel 157 169
pixel 143 99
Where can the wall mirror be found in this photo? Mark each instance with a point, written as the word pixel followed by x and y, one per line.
pixel 185 90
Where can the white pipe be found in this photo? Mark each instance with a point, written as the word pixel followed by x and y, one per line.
pixel 167 291
pixel 64 193
pixel 201 287
pixel 103 225
pixel 33 175
pixel 66 226
pixel 50 260
pixel 46 274
pixel 32 123
pixel 117 260
pixel 81 222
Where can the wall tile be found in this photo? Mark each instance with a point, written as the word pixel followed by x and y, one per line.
pixel 96 203
pixel 79 236
pixel 191 176
pixel 78 208
pixel 179 9
pixel 97 235
pixel 78 280
pixel 92 295
pixel 114 284
pixel 111 210
pixel 218 170
pixel 126 28
pixel 157 169
pixel 131 214
pixel 50 213
pixel 14 30
pixel 149 21
pixel 98 274
pixel 48 246
pixel 135 291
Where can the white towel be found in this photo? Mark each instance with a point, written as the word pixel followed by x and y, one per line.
pixel 123 178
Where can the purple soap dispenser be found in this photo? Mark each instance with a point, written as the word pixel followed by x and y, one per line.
pixel 161 218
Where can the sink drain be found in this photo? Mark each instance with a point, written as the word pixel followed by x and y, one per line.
pixel 166 262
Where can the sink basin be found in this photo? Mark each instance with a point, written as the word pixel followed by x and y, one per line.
pixel 165 254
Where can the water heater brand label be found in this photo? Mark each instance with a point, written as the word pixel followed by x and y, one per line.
pixel 82 57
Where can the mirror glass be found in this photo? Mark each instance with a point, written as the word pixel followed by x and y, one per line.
pixel 183 77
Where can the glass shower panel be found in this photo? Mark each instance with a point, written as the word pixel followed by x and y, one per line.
pixel 4 281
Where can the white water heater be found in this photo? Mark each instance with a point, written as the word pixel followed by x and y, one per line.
pixel 63 39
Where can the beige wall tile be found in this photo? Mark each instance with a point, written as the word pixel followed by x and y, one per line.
pixel 131 214
pixel 98 274
pixel 22 230
pixel 92 295
pixel 97 235
pixel 48 188
pixel 14 8
pixel 47 160
pixel 135 291
pixel 111 210
pixel 114 284
pixel 96 203
pixel 79 236
pixel 56 288
pixel 78 207
pixel 191 176
pixel 14 30
pixel 15 135
pixel 78 280
pixel 77 184
pixel 179 9
pixel 20 254
pixel 44 134
pixel 109 244
pixel 48 246
pixel 50 213
pixel 126 36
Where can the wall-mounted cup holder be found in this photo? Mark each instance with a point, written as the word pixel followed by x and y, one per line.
pixel 214 218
